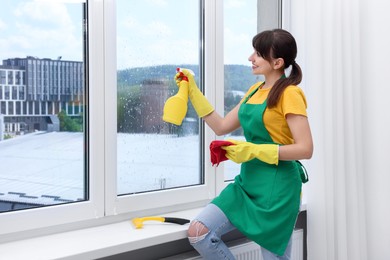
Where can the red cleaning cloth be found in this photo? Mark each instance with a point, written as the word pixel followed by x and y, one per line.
pixel 217 154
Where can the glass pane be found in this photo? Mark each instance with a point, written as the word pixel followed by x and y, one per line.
pixel 153 38
pixel 240 25
pixel 42 138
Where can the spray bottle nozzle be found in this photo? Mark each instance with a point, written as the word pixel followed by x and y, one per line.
pixel 182 76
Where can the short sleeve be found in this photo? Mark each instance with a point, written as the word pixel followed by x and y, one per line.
pixel 293 101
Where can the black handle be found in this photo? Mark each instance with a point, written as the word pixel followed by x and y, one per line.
pixel 180 221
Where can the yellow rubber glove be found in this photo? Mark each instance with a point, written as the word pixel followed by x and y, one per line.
pixel 243 151
pixel 199 102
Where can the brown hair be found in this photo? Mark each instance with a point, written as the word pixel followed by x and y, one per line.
pixel 278 43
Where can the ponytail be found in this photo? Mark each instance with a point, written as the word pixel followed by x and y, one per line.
pixel 294 78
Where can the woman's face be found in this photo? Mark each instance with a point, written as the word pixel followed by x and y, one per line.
pixel 260 66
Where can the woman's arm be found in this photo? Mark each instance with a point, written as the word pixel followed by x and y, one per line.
pixel 303 142
pixel 223 125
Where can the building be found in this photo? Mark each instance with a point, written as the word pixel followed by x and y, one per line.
pixel 33 91
pixel 154 92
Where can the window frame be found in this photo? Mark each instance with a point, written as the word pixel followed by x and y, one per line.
pixel 35 221
pixel 156 201
pixel 104 204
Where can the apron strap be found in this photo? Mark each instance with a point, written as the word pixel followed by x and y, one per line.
pixel 303 172
pixel 253 92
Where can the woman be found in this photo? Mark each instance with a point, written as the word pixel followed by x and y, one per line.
pixel 263 202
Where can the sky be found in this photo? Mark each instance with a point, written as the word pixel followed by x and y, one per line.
pixel 167 33
pixel 149 32
pixel 44 29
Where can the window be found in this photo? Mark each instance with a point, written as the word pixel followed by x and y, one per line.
pixel 10 77
pixel 113 129
pixel 2 77
pixel 17 78
pixel 10 108
pixel 18 108
pixel 152 154
pixel 3 108
pixel 6 92
pixel 155 164
pixel 14 92
pixel 47 167
pixel 21 92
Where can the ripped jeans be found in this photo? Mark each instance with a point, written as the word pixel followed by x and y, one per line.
pixel 205 234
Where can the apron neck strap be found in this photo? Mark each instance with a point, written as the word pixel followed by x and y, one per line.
pixel 254 91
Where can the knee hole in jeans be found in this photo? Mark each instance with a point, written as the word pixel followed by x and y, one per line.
pixel 197 232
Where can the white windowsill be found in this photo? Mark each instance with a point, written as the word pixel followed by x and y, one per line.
pixel 96 242
pixel 100 241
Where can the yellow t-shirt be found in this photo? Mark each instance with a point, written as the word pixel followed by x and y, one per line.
pixel 292 101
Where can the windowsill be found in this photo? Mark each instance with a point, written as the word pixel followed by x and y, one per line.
pixel 100 241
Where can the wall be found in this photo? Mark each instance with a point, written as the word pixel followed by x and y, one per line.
pixel 375 53
pixel 344 53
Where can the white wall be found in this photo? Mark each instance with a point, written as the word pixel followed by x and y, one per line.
pixel 375 53
pixel 344 49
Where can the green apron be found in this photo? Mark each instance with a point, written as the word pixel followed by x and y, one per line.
pixel 263 201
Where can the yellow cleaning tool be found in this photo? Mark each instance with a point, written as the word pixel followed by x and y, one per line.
pixel 139 222
pixel 175 108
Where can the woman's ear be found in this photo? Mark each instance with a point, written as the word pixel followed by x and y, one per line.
pixel 278 63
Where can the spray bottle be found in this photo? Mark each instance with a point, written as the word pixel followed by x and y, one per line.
pixel 175 108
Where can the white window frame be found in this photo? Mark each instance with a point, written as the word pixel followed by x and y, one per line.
pixel 35 221
pixel 216 39
pixel 157 201
pixel 103 201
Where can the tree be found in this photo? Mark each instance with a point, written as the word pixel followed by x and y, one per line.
pixel 128 107
pixel 67 124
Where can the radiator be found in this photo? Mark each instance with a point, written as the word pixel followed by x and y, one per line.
pixel 251 251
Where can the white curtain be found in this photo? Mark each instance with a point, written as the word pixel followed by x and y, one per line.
pixel 344 50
